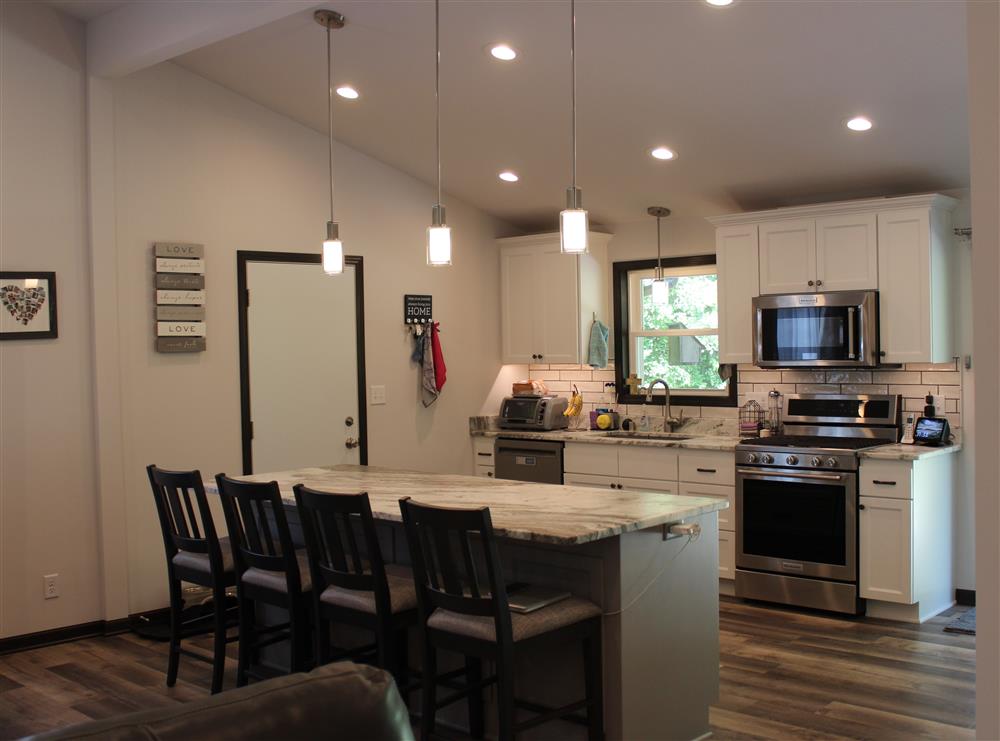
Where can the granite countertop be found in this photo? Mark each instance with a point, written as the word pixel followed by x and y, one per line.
pixel 908 452
pixel 564 515
pixel 695 442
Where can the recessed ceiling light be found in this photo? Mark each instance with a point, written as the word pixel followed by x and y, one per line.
pixel 663 153
pixel 859 123
pixel 719 3
pixel 503 52
pixel 508 177
pixel 346 91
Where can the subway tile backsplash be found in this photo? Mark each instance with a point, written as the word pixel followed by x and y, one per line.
pixel 912 381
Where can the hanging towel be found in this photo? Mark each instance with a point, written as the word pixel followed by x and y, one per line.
pixel 428 381
pixel 598 354
pixel 440 370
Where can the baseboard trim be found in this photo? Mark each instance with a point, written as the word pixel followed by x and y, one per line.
pixel 966 597
pixel 61 635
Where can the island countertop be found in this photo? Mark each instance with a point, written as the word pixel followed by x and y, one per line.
pixel 563 515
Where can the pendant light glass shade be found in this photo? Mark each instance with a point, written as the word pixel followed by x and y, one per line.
pixel 660 293
pixel 438 239
pixel 333 250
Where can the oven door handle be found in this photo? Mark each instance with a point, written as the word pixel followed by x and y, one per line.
pixel 790 474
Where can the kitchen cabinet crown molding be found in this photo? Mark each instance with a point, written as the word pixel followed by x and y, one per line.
pixel 926 200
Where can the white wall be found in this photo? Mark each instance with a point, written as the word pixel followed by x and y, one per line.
pixel 984 156
pixel 48 494
pixel 195 162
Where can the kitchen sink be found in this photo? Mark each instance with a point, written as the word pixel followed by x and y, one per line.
pixel 649 435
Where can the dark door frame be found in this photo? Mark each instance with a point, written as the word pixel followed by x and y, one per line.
pixel 242 301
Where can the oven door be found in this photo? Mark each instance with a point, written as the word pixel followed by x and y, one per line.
pixel 801 523
pixel 816 329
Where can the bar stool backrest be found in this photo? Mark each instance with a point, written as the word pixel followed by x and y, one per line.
pixel 456 563
pixel 186 525
pixel 331 524
pixel 258 528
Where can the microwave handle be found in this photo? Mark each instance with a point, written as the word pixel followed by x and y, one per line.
pixel 850 332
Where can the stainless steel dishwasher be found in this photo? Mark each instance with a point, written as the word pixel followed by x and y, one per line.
pixel 539 461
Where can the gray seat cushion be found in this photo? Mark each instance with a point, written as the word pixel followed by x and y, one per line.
pixel 199 561
pixel 524 625
pixel 402 596
pixel 276 579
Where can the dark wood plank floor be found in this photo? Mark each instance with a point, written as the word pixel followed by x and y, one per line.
pixel 785 675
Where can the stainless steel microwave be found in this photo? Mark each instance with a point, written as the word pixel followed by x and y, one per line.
pixel 838 330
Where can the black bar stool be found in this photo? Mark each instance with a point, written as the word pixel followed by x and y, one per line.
pixel 350 583
pixel 268 570
pixel 197 555
pixel 463 612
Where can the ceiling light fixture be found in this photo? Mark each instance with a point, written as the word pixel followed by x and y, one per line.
pixel 719 3
pixel 663 153
pixel 860 123
pixel 508 177
pixel 438 233
pixel 659 283
pixel 333 248
pixel 573 220
pixel 346 91
pixel 503 52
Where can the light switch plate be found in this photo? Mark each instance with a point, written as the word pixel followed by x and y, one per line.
pixel 377 395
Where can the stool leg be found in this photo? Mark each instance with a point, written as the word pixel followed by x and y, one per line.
pixel 473 676
pixel 299 631
pixel 219 639
pixel 322 639
pixel 593 677
pixel 505 697
pixel 174 655
pixel 428 696
pixel 247 639
pixel 402 663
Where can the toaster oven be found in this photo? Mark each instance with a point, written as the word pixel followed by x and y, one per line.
pixel 534 413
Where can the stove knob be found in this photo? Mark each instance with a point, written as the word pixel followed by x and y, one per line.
pixel 831 462
pixel 792 460
pixel 766 458
pixel 751 457
pixel 815 461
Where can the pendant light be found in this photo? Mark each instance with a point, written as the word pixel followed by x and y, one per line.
pixel 659 284
pixel 438 233
pixel 333 248
pixel 573 221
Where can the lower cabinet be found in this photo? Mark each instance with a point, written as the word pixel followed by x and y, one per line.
pixel 727 554
pixel 886 547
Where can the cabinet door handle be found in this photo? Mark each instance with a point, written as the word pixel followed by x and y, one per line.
pixel 620 486
pixel 819 283
pixel 861 506
pixel 883 483
pixel 540 356
pixel 706 470
pixel 612 486
pixel 811 283
pixel 490 474
pixel 485 455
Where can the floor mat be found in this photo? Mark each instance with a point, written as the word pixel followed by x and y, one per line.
pixel 964 623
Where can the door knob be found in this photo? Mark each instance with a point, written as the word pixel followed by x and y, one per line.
pixel 351 443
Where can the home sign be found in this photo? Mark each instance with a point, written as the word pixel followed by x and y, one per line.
pixel 417 309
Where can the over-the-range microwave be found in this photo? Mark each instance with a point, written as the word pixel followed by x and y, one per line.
pixel 837 329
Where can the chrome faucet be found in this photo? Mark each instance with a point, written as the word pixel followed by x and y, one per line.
pixel 668 419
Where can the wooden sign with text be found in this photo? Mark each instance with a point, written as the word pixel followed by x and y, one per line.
pixel 180 296
pixel 417 308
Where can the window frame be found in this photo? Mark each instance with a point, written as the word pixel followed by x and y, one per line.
pixel 623 309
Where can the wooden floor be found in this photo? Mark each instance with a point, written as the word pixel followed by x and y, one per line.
pixel 785 675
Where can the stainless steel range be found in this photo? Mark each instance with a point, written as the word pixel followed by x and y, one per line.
pixel 797 500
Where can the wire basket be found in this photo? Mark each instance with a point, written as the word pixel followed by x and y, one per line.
pixel 752 416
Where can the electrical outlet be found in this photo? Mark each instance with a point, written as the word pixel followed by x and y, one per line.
pixel 50 586
pixel 377 395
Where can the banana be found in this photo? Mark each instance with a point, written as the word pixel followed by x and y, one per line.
pixel 575 405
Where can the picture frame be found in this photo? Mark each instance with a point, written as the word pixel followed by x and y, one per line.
pixel 28 305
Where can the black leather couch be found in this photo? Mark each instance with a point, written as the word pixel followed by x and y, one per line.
pixel 341 701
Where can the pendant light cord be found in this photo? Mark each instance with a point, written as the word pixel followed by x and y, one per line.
pixel 329 84
pixel 572 57
pixel 659 264
pixel 437 92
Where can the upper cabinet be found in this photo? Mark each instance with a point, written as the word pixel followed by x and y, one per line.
pixel 736 257
pixel 548 300
pixel 900 247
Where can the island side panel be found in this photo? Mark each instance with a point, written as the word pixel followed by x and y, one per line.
pixel 670 637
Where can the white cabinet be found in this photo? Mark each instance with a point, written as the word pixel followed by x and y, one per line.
pixel 886 542
pixel 787 256
pixel 846 253
pixel 548 300
pixel 905 536
pixel 727 555
pixel 482 457
pixel 915 273
pixel 737 259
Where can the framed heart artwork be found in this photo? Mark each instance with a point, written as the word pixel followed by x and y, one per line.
pixel 27 305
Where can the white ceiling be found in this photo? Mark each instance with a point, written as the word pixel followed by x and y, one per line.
pixel 753 98
pixel 85 10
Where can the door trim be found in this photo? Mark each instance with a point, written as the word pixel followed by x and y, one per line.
pixel 242 258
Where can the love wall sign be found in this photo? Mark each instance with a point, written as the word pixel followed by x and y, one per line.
pixel 180 296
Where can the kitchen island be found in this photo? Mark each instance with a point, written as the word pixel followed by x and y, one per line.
pixel 659 593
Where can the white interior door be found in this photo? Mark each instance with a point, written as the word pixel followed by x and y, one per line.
pixel 303 366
